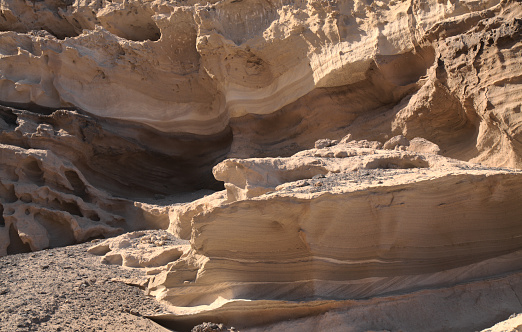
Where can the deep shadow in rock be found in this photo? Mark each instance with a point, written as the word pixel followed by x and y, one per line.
pixel 16 245
pixel 126 159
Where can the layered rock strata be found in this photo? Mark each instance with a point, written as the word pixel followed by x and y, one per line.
pixel 300 236
pixel 111 109
pixel 144 98
pixel 278 74
pixel 67 177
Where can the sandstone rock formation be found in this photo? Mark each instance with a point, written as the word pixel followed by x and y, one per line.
pixel 67 177
pixel 281 74
pixel 328 228
pixel 368 152
pixel 174 88
pixel 512 324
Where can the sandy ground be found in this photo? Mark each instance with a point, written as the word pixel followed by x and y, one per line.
pixel 67 289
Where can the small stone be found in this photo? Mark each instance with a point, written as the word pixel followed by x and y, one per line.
pixel 347 138
pixel 421 145
pixel 325 142
pixel 341 154
pixel 209 327
pixel 395 141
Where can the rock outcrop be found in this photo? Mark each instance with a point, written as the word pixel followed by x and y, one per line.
pixel 66 178
pixel 512 324
pixel 359 158
pixel 278 74
pixel 144 98
pixel 328 228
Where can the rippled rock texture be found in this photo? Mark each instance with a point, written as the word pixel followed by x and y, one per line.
pixel 355 153
pixel 67 178
pixel 401 226
pixel 328 228
pixel 278 75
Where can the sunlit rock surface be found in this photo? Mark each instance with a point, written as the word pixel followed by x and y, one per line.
pixel 326 229
pixel 279 74
pixel 327 165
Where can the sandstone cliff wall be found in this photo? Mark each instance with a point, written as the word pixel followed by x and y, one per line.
pixel 110 111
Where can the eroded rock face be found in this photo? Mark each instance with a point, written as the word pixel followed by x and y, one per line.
pixel 339 223
pixel 121 158
pixel 45 201
pixel 359 143
pixel 140 249
pixel 281 74
pixel 68 177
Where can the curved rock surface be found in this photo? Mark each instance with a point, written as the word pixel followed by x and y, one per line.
pixel 328 228
pixel 359 158
pixel 280 74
